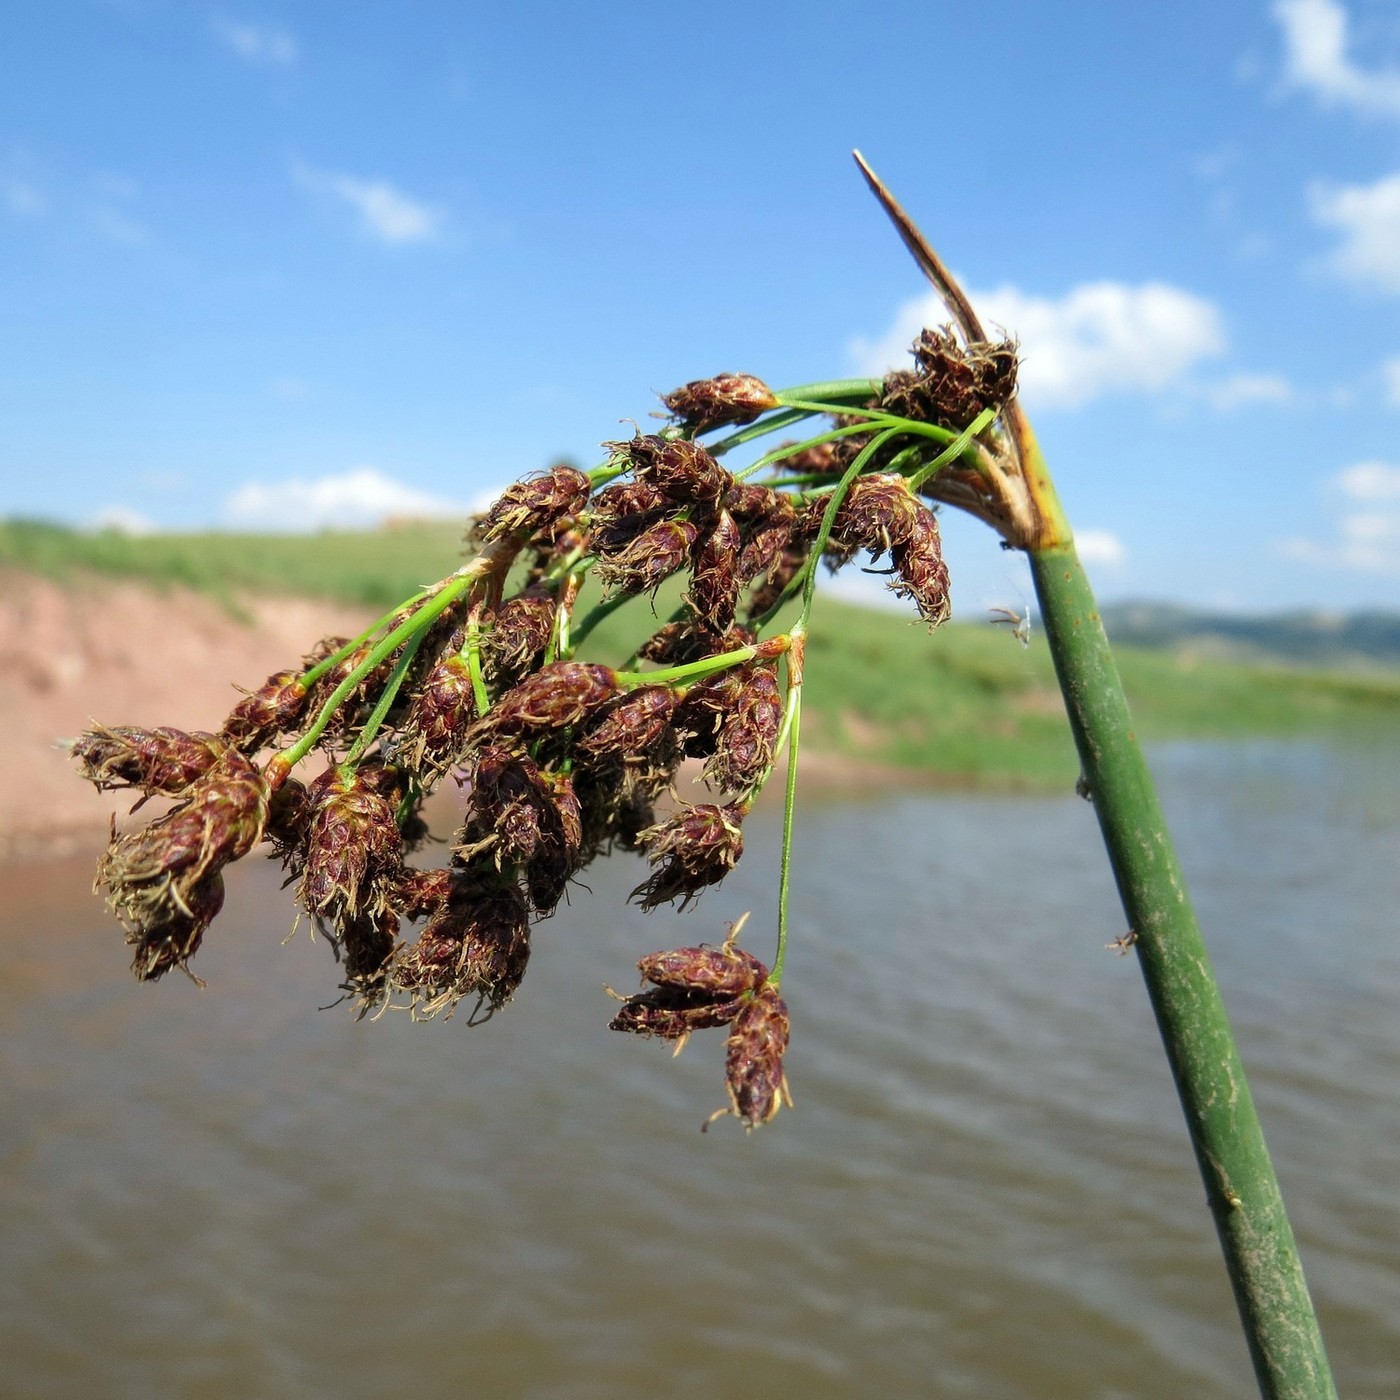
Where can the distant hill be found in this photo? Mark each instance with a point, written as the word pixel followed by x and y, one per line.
pixel 1311 638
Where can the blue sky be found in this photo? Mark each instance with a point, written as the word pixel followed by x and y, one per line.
pixel 297 264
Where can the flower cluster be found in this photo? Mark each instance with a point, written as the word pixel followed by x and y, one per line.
pixel 477 679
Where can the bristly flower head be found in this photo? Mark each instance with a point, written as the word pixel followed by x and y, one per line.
pixel 537 505
pixel 953 382
pixel 354 850
pixel 727 398
pixel 273 708
pixel 553 698
pixel 681 470
pixel 920 572
pixel 164 760
pixel 695 848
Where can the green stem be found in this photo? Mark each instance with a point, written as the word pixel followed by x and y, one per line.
pixel 473 654
pixel 383 706
pixel 954 448
pixel 1266 1274
pixel 693 670
pixel 792 724
pixel 336 657
pixel 419 621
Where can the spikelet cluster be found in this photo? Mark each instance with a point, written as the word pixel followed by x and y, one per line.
pixel 559 760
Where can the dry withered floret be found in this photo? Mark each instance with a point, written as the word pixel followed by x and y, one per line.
pixel 743 750
pixel 476 944
pixel 673 1013
pixel 753 1060
pixel 631 724
pixel 714 584
pixel 727 398
pixel 170 936
pixel 920 572
pixel 163 880
pixel 365 943
pixel 553 698
pixel 682 471
pixel 274 708
pixel 646 562
pixel 539 504
pixel 559 854
pixel 161 761
pixel 353 852
pixel 519 634
pixel 693 849
pixel 435 728
pixel 952 382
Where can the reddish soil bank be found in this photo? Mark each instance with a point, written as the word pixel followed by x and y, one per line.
pixel 122 654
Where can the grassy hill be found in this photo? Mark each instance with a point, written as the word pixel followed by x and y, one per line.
pixel 968 703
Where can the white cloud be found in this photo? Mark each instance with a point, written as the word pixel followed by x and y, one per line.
pixel 1370 481
pixel 256 43
pixel 1241 389
pixel 1369 219
pixel 361 498
pixel 1316 59
pixel 385 212
pixel 1367 538
pixel 1099 547
pixel 1390 371
pixel 1099 338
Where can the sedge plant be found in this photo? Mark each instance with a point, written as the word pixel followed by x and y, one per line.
pixel 474 679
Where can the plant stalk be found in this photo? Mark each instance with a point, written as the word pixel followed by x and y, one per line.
pixel 1261 1256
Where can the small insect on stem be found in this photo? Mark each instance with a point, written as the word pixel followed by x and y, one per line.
pixel 1123 942
pixel 1020 623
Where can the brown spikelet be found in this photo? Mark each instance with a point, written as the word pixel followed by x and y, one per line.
pixel 920 572
pixel 714 584
pixel 681 470
pixel 744 747
pixel 753 1060
pixel 952 383
pixel 726 398
pixel 631 724
pixel 693 849
pixel 650 559
pixel 539 505
pixel 553 698
pixel 163 760
pixel 274 708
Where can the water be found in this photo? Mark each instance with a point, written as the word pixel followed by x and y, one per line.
pixel 985 1188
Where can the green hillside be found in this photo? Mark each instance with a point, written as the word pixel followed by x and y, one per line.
pixel 967 704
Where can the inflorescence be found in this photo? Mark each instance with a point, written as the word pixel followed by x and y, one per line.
pixel 561 761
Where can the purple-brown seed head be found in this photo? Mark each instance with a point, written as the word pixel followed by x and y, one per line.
pixel 724 971
pixel 642 565
pixel 164 760
pixel 274 708
pixel 435 728
pixel 693 849
pixel 354 850
pixel 952 383
pixel 632 723
pixel 553 698
pixel 744 749
pixel 682 471
pixel 672 1013
pixel 519 633
pixel 714 584
pixel 537 505
pixel 753 1059
pixel 727 398
pixel 920 572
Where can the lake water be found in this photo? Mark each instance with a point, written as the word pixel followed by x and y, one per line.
pixel 985 1188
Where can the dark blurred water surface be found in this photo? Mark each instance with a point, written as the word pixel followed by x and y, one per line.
pixel 984 1190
